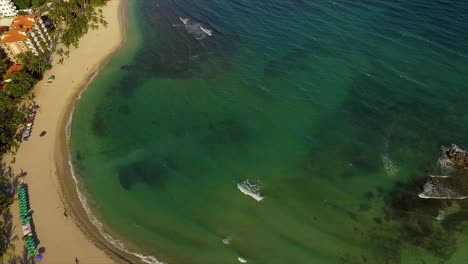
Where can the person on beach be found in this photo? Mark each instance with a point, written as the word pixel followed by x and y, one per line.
pixel 77 261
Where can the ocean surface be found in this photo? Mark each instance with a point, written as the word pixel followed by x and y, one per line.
pixel 281 131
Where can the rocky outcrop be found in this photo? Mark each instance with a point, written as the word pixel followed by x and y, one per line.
pixel 458 156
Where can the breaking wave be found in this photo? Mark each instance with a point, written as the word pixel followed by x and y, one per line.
pixel 227 240
pixel 445 165
pixel 196 28
pixel 435 189
pixel 241 260
pixel 250 189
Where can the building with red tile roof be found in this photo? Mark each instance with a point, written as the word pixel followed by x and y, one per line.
pixel 26 33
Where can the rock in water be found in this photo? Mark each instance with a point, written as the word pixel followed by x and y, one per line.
pixel 458 156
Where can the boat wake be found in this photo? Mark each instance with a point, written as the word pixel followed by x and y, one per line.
pixel 196 28
pixel 250 189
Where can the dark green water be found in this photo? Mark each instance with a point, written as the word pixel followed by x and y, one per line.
pixel 336 112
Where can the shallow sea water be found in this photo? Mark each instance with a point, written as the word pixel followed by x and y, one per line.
pixel 333 112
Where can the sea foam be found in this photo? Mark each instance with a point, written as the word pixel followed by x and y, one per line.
pixel 434 189
pixel 389 166
pixel 241 260
pixel 250 189
pixel 196 28
pixel 227 240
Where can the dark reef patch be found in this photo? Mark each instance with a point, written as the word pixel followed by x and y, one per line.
pixel 148 171
pixel 98 124
pixel 124 109
pixel 227 133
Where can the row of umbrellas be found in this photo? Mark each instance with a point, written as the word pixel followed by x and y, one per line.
pixel 29 125
pixel 26 221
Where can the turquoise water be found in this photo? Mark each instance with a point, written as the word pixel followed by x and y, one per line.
pixel 335 112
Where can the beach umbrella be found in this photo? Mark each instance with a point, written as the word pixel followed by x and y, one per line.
pixel 51 78
pixel 38 258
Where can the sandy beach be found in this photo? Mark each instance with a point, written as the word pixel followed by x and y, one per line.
pixel 52 190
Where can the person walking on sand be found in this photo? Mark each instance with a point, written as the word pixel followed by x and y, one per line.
pixel 77 261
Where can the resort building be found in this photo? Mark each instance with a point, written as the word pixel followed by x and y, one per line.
pixel 7 8
pixel 26 33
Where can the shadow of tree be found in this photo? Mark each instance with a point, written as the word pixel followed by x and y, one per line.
pixel 23 259
pixel 7 235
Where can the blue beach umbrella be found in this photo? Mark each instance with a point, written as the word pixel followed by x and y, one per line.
pixel 38 258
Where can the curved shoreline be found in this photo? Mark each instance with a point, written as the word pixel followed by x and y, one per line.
pixel 69 185
pixel 52 190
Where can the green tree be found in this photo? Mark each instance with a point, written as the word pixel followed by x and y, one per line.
pixel 3 66
pixel 22 4
pixel 10 120
pixel 5 100
pixel 20 84
pixel 37 2
pixel 73 19
pixel 36 65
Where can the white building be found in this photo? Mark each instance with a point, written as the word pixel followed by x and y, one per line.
pixel 7 8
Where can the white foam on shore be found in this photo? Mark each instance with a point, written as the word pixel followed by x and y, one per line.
pixel 84 202
pixel 250 189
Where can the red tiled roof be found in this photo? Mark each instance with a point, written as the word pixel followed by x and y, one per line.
pixel 26 21
pixel 13 68
pixel 19 27
pixel 14 36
